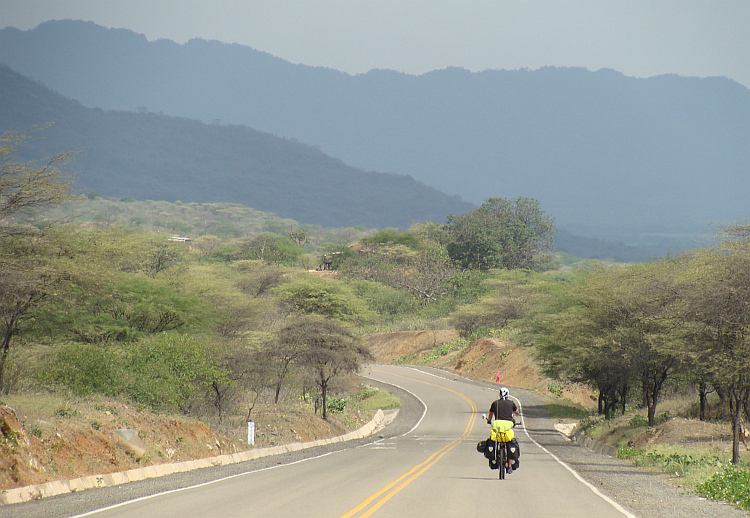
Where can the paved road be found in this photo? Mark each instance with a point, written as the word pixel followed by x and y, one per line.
pixel 427 467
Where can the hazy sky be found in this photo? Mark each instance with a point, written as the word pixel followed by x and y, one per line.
pixel 639 38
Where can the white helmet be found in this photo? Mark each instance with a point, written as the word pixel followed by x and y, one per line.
pixel 504 393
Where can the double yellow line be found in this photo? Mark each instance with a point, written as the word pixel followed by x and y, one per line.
pixel 386 493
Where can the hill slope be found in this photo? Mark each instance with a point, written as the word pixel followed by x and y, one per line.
pixel 607 155
pixel 150 156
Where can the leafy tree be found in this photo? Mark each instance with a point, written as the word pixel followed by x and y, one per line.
pixel 405 262
pixel 611 329
pixel 392 236
pixel 272 249
pixel 502 233
pixel 257 282
pixel 281 356
pixel 170 371
pixel 387 302
pixel 328 298
pixel 715 309
pixel 328 350
pixel 251 370
pixel 26 278
pixel 161 256
pixel 85 368
pixel 511 296
pixel 21 292
pixel 25 188
pixel 299 237
pixel 206 244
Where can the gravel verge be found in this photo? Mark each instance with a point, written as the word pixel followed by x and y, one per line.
pixel 643 494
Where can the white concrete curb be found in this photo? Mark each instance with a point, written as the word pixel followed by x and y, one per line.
pixel 38 491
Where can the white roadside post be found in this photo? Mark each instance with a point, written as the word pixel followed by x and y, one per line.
pixel 251 433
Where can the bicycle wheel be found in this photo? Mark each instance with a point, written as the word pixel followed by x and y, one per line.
pixel 502 461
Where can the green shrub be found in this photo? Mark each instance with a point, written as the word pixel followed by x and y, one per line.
pixel 731 485
pixel 628 452
pixel 170 371
pixel 336 405
pixel 384 300
pixel 637 421
pixel 327 298
pixel 84 368
pixel 555 388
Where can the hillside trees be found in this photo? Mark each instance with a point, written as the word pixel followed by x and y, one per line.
pixel 327 298
pixel 715 306
pixel 27 277
pixel 405 261
pixel 511 296
pixel 21 291
pixel 502 233
pixel 639 326
pixel 272 249
pixel 611 329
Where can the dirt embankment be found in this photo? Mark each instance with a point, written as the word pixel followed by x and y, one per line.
pixel 83 438
pixel 488 359
pixel 84 441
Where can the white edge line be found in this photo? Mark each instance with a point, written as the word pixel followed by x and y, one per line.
pixel 147 497
pixel 424 406
pixel 593 488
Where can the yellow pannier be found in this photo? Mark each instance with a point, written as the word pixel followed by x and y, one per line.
pixel 502 431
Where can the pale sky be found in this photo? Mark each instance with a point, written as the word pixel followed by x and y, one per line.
pixel 639 38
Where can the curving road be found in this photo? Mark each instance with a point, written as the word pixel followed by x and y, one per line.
pixel 428 469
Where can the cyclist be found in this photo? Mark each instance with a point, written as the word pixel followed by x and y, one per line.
pixel 503 409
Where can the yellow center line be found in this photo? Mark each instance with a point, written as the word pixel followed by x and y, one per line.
pixel 426 463
pixel 417 470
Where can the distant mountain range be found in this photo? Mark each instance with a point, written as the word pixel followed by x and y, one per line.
pixel 607 155
pixel 157 157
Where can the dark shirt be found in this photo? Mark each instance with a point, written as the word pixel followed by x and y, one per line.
pixel 503 409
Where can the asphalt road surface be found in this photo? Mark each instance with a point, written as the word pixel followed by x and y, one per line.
pixel 426 465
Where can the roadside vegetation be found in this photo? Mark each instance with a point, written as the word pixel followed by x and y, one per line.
pixel 221 313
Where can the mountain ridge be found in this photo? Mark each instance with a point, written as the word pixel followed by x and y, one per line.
pixel 610 156
pixel 153 156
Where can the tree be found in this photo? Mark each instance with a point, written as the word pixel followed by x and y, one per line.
pixel 25 280
pixel 170 370
pixel 404 261
pixel 272 249
pixel 502 233
pixel 715 309
pixel 20 293
pixel 25 188
pixel 328 350
pixel 290 348
pixel 328 298
pixel 299 237
pixel 613 330
pixel 511 297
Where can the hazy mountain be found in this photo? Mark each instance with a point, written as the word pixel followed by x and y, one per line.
pixel 158 157
pixel 605 154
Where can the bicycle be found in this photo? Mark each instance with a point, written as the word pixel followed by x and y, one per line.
pixel 496 447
